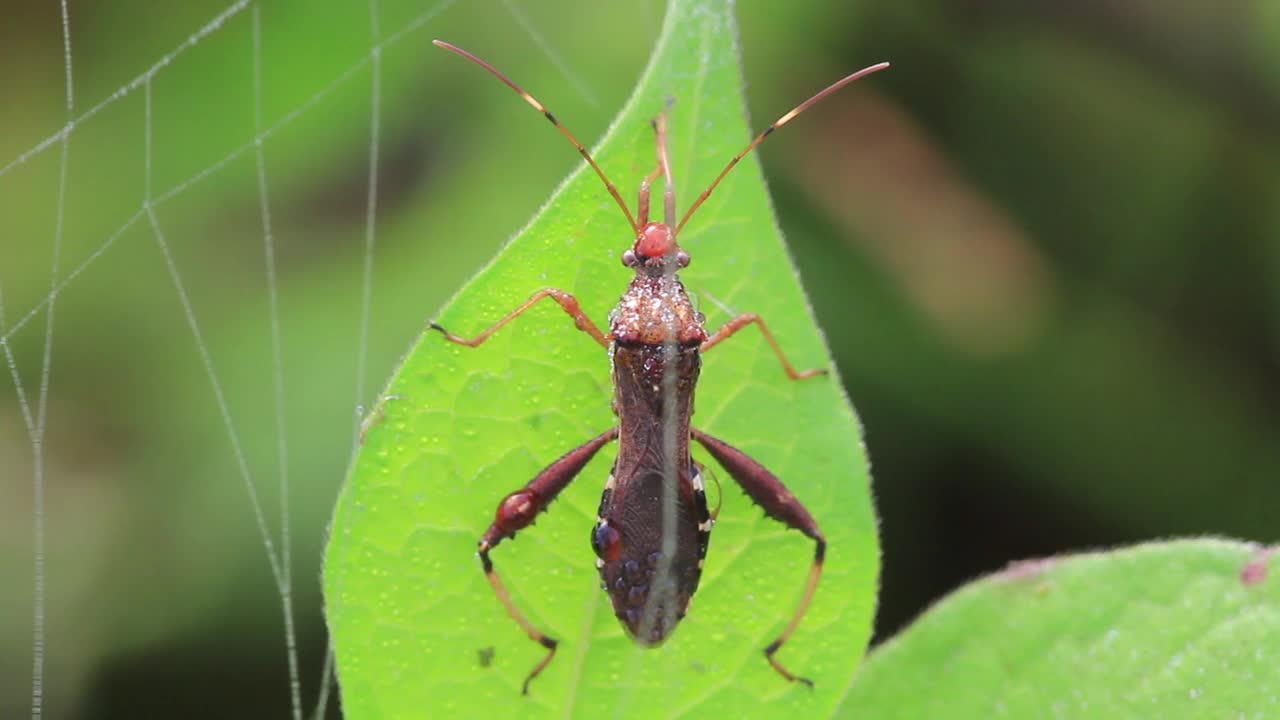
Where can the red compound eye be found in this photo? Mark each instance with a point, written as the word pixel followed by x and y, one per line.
pixel 517 511
pixel 606 541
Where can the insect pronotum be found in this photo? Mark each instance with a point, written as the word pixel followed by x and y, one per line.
pixel 653 528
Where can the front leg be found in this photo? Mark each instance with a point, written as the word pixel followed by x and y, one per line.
pixel 517 511
pixel 566 301
pixel 769 493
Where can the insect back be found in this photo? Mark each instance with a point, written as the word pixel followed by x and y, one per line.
pixel 653 528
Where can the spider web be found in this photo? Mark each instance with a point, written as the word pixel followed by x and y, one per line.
pixel 144 223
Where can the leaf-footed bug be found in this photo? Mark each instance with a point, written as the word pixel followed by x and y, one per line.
pixel 653 528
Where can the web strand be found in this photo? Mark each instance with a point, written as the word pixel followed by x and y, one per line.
pixel 206 359
pixel 527 26
pixel 157 200
pixel 27 418
pixel 326 682
pixel 224 410
pixel 38 631
pixel 35 409
pixel 277 364
pixel 194 39
pixel 371 221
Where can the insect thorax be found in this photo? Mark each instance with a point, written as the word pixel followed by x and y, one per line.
pixel 656 310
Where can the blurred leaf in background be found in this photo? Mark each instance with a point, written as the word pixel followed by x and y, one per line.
pixel 1043 249
pixel 1180 629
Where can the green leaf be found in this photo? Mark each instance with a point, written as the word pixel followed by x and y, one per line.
pixel 1184 629
pixel 417 629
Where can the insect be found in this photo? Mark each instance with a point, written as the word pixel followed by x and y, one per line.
pixel 653 529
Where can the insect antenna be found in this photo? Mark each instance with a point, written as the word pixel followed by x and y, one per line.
pixel 613 190
pixel 777 124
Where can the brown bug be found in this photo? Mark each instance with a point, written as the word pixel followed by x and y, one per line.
pixel 654 527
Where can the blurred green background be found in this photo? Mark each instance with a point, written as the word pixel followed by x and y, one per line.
pixel 1044 247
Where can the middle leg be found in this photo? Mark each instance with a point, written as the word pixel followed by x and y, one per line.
pixel 736 324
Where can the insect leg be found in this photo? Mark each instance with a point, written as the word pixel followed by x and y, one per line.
pixel 769 493
pixel 567 302
pixel 518 511
pixel 746 319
